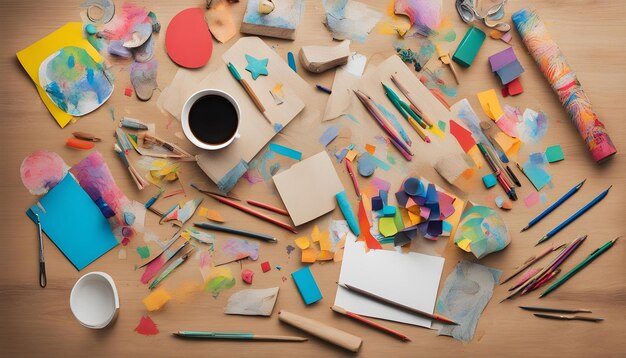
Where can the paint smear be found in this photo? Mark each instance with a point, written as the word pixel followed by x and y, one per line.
pixel 74 81
pixel 241 248
pixel 185 291
pixel 219 279
pixel 42 170
pixel 143 251
pixel 329 135
pixel 531 126
pixel 289 248
pixel 147 327
pixel 433 80
pixel 130 19
pixel 143 77
pixel 425 15
pixel 464 296
pixel 252 178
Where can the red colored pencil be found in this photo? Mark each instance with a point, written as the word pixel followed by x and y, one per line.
pixel 252 212
pixel 268 207
pixel 370 323
pixel 353 177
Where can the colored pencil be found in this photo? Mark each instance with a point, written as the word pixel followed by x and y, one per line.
pixel 541 282
pixel 239 336
pixel 251 212
pixel 383 123
pixel 204 191
pixel 554 206
pixel 432 316
pixel 353 177
pixel 165 247
pixel 531 261
pixel 594 255
pixel 406 112
pixel 555 310
pixel 554 263
pixel 510 191
pixel 268 207
pixel 512 175
pixel 249 91
pixel 370 323
pixel 575 216
pixel 231 230
pixel 179 261
pixel 413 105
pixel 569 318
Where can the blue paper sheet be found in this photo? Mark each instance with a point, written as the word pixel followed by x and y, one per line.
pixel 306 285
pixel 74 223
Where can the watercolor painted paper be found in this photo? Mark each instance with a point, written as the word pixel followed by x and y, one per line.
pixel 464 296
pixel 252 302
pixel 183 212
pixel 425 15
pixel 74 81
pixel 42 170
pixel 31 58
pixel 350 20
pixel 308 188
pixel 239 248
pixel 481 231
pixel 411 279
pixel 74 223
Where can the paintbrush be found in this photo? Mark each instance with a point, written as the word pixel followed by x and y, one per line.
pixel 251 212
pixel 555 310
pixel 255 99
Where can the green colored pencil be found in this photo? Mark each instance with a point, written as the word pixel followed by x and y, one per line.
pixel 579 267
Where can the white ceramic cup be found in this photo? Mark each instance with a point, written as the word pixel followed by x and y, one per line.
pixel 94 300
pixel 184 118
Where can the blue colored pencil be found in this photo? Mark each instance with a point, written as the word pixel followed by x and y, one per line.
pixel 575 216
pixel 554 206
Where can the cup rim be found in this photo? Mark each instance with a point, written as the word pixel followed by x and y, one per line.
pixel 184 118
pixel 73 293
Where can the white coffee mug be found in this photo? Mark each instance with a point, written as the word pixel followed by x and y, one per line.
pixel 184 118
pixel 94 300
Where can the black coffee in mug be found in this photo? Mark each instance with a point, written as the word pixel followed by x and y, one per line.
pixel 213 119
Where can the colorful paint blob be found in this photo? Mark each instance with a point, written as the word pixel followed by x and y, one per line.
pixel 41 171
pixel 219 279
pixel 241 248
pixel 74 81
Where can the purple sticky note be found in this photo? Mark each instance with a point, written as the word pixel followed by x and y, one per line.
pixel 510 72
pixel 502 59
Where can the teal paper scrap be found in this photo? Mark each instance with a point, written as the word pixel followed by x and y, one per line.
pixel 285 151
pixel 537 175
pixel 554 153
pixel 74 223
pixel 306 285
pixel 464 296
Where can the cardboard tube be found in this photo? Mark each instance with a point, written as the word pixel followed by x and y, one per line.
pixel 329 334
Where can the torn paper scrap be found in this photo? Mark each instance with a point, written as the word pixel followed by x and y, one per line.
pixel 252 302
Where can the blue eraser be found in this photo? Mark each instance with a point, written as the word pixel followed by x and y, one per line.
pixel 389 210
pixel 377 203
pixel 306 285
pixel 291 60
pixel 469 46
pixel 346 209
pixel 489 180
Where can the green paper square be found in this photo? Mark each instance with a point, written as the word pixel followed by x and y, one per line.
pixel 554 153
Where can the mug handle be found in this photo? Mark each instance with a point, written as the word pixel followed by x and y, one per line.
pixel 237 136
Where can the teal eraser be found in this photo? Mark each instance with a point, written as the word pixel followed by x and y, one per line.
pixel 344 205
pixel 469 46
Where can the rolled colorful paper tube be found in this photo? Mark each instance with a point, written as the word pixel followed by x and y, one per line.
pixel 564 82
pixel 344 205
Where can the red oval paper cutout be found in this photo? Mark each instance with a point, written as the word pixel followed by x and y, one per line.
pixel 188 40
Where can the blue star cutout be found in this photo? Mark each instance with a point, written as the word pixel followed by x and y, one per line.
pixel 256 67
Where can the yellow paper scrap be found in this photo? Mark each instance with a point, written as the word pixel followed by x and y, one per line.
pixel 404 214
pixel 71 34
pixel 415 218
pixel 508 144
pixel 309 255
pixel 303 243
pixel 155 300
pixel 465 245
pixel 203 211
pixel 325 255
pixel 489 101
pixel 351 155
pixel 214 215
pixel 315 234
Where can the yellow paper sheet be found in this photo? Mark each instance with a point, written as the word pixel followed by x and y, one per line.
pixel 509 145
pixel 155 300
pixel 489 101
pixel 71 34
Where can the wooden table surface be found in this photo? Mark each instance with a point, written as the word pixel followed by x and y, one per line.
pixel 38 322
